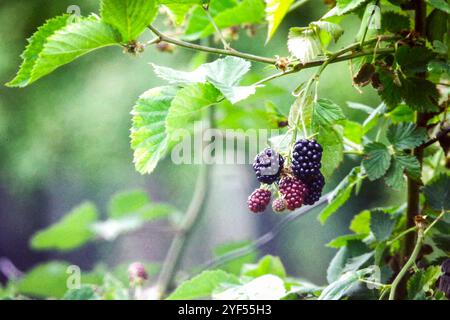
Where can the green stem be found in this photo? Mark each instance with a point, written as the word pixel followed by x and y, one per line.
pixel 198 47
pixel 407 265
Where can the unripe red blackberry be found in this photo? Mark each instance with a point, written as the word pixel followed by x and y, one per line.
pixel 268 165
pixel 259 200
pixel 137 274
pixel 314 185
pixel 279 205
pixel 306 158
pixel 293 191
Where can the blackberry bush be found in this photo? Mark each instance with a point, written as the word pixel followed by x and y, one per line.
pixel 268 165
pixel 401 55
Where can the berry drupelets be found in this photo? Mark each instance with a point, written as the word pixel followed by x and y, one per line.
pixel 259 200
pixel 306 158
pixel 268 165
pixel 293 191
pixel 279 205
pixel 315 185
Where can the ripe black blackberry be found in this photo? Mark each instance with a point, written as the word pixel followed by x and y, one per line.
pixel 268 165
pixel 293 191
pixel 306 158
pixel 279 205
pixel 314 185
pixel 259 200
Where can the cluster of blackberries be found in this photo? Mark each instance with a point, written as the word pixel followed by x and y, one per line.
pixel 301 183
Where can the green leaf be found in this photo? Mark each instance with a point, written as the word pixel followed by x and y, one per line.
pixel 304 44
pixel 342 241
pixel 125 202
pixel 437 192
pixel 381 225
pixel 235 265
pixel 326 113
pixel 129 17
pixel 341 194
pixel 440 4
pixel 420 94
pixel 442 241
pixel 45 280
pixel 178 12
pixel 198 21
pixel 402 113
pixel 391 92
pixel 394 22
pixel 410 164
pixel 437 27
pixel 65 45
pixel 361 223
pixel 267 265
pixel 338 264
pixel 203 285
pixel 353 131
pixel 413 59
pixel 338 289
pixel 34 48
pixel 327 31
pixel 71 232
pixel 84 293
pixel 394 176
pixel 377 160
pixel 421 282
pixel 275 12
pixel 226 14
pixel 347 6
pixel 225 74
pixel 266 287
pixel 148 133
pixel 188 104
pixel 405 136
pixel 333 149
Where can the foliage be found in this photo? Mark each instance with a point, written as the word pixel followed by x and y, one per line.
pixel 409 70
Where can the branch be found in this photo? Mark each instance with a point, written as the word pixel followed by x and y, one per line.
pixel 265 238
pixel 193 46
pixel 178 244
pixel 441 134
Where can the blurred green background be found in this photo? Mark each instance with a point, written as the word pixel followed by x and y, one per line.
pixel 65 139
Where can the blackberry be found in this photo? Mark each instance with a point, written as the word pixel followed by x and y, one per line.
pixel 314 185
pixel 306 158
pixel 259 200
pixel 268 165
pixel 279 205
pixel 293 191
